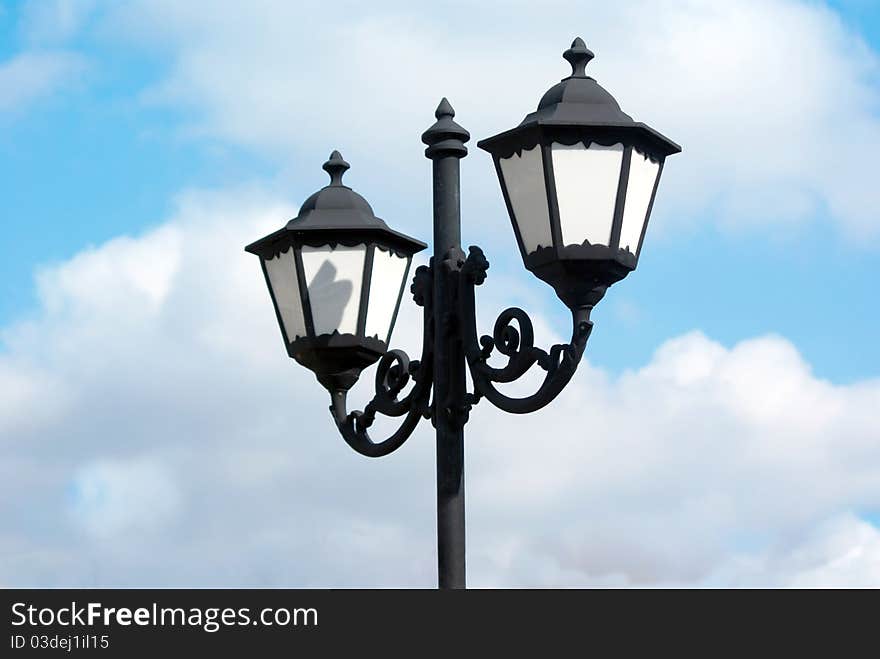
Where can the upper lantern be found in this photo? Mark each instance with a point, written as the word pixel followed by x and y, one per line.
pixel 579 177
pixel 336 274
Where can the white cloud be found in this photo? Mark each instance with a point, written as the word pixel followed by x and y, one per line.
pixel 29 76
pixel 774 101
pixel 111 498
pixel 843 552
pixel 159 435
pixel 847 555
pixel 680 462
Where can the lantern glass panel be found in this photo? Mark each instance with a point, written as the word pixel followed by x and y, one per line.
pixel 386 287
pixel 642 177
pixel 524 181
pixel 334 277
pixel 281 272
pixel 586 190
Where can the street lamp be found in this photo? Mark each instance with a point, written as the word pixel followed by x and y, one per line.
pixel 579 178
pixel 336 274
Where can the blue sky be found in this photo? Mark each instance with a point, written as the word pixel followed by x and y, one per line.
pixel 147 119
pixel 93 161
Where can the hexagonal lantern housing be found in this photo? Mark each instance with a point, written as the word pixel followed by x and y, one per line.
pixel 336 274
pixel 579 178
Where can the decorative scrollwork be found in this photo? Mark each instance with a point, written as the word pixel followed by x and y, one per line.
pixel 513 336
pixel 393 374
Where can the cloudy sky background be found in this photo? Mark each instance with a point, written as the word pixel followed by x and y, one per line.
pixel 723 429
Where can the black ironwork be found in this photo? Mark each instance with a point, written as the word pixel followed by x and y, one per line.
pixel 576 109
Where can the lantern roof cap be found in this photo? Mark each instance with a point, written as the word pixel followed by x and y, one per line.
pixel 336 213
pixel 335 196
pixel 579 101
pixel 595 103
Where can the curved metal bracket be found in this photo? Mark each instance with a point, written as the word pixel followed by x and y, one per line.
pixel 394 372
pixel 516 342
pixel 512 336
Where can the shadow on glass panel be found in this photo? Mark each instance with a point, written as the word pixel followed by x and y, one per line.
pixel 330 297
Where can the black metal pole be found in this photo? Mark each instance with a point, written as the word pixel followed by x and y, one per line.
pixel 445 140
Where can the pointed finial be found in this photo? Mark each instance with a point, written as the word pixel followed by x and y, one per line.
pixel 445 137
pixel 336 167
pixel 444 109
pixel 578 56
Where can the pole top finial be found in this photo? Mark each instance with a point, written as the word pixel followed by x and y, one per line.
pixel 336 167
pixel 578 56
pixel 445 137
pixel 445 109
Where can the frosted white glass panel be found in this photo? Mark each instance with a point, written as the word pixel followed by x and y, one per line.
pixel 642 176
pixel 334 278
pixel 524 180
pixel 285 287
pixel 388 272
pixel 586 189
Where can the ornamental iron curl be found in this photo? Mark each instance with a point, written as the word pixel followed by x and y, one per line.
pixel 394 372
pixel 512 336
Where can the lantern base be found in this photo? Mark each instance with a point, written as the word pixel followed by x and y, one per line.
pixel 580 274
pixel 337 359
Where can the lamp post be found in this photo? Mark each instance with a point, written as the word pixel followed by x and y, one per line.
pixel 579 178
